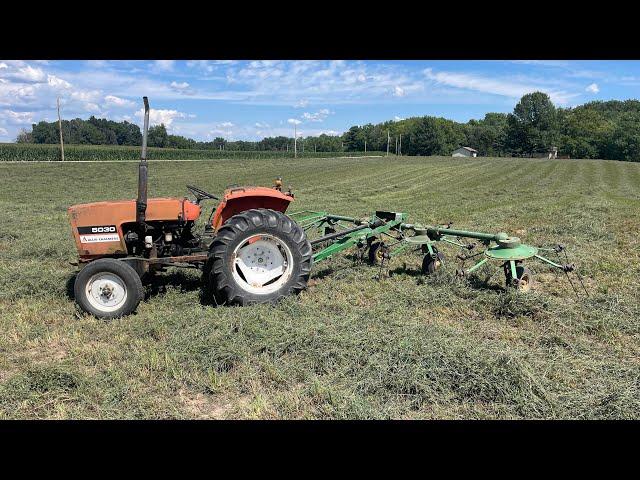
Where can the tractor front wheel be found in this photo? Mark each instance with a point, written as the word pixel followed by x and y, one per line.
pixel 258 256
pixel 108 288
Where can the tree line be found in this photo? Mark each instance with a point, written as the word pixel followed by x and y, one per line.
pixel 599 129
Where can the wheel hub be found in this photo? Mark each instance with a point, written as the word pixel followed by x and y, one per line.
pixel 262 264
pixel 106 291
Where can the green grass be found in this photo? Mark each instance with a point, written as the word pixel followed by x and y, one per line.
pixel 350 346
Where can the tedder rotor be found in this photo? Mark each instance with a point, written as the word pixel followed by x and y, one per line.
pixel 250 251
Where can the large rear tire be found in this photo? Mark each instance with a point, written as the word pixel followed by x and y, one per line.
pixel 258 256
pixel 108 288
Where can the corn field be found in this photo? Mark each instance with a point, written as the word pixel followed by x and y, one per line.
pixel 26 152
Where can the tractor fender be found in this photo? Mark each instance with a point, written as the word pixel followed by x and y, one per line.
pixel 237 200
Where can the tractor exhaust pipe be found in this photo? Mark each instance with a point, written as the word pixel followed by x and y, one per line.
pixel 141 202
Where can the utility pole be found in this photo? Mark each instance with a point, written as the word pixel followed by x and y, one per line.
pixel 295 141
pixel 396 145
pixel 388 139
pixel 365 147
pixel 60 128
pixel 400 144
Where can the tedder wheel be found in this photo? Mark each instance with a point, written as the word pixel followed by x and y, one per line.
pixel 259 256
pixel 525 278
pixel 108 288
pixel 430 265
pixel 376 253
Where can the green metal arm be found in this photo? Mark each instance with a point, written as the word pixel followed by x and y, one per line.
pixel 353 238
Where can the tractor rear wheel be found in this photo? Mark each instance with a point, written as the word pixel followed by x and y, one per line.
pixel 258 256
pixel 108 288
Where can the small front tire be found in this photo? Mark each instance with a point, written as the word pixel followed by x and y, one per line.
pixel 107 288
pixel 524 282
pixel 376 253
pixel 430 264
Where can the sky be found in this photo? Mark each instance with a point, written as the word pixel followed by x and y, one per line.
pixel 249 100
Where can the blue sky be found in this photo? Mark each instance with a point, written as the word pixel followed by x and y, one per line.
pixel 248 100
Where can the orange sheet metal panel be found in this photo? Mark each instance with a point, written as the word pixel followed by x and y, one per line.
pixel 97 227
pixel 246 198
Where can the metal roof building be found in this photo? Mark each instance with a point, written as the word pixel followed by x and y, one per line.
pixel 465 152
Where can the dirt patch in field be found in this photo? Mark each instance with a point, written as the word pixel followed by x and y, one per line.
pixel 198 405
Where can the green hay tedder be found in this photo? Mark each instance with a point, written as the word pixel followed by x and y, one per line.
pixel 387 234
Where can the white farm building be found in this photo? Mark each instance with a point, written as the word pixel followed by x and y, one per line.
pixel 465 152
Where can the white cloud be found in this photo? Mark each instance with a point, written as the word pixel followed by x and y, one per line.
pixel 3 132
pixel 97 63
pixel 179 86
pixel 294 121
pixel 203 64
pixel 261 125
pixel 495 86
pixel 224 129
pixel 57 82
pixel 301 103
pixel 29 74
pixel 398 91
pixel 182 87
pixel 92 96
pixel 164 65
pixel 593 88
pixel 92 107
pixel 397 118
pixel 158 116
pixel 112 100
pixel 16 118
pixel 3 65
pixel 318 116
pixel 209 66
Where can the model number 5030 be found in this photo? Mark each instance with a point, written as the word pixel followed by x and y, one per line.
pixel 102 229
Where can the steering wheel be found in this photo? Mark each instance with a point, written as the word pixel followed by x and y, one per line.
pixel 200 194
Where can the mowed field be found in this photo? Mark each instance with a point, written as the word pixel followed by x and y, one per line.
pixel 350 346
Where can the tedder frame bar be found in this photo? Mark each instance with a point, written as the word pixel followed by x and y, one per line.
pixel 343 236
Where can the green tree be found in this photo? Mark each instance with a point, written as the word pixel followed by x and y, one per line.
pixel 158 136
pixel 354 139
pixel 433 136
pixel 533 125
pixel 625 139
pixel 488 135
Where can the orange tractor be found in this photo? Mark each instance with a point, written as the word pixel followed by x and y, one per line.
pixel 250 251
